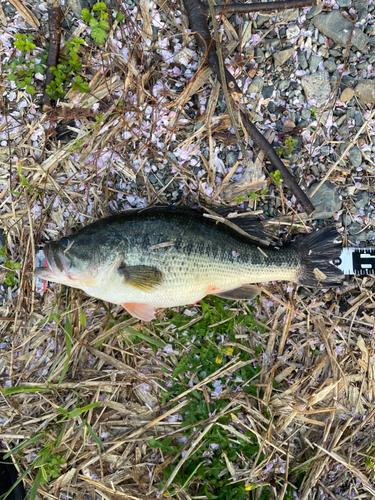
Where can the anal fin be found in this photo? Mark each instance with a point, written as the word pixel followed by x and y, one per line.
pixel 245 292
pixel 140 311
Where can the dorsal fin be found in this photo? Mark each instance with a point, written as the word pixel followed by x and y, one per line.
pixel 248 225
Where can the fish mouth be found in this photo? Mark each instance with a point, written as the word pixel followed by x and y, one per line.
pixel 55 268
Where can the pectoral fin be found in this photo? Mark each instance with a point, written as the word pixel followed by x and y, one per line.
pixel 245 292
pixel 144 278
pixel 140 311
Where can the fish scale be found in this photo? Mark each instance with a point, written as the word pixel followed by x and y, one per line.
pixel 145 259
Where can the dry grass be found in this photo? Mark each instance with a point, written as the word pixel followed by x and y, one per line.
pixel 310 417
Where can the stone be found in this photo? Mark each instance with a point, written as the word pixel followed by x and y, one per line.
pixel 314 63
pixel 362 11
pixel 292 32
pixel 317 88
pixel 326 200
pixel 232 158
pixel 302 61
pixel 366 91
pixel 306 114
pixel 267 91
pixel 314 11
pixel 256 85
pixel 77 6
pixel 271 107
pixel 362 200
pixel 284 85
pixel 335 26
pixel 261 20
pixel 330 65
pixel 344 3
pixel 346 94
pixel 346 81
pixel 354 228
pixel 283 56
pixel 355 157
pixel 289 15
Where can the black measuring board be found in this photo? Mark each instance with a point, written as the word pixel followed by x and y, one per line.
pixel 364 261
pixel 358 261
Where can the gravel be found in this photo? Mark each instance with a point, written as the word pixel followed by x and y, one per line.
pixel 327 200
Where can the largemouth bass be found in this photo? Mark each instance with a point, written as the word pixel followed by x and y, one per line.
pixel 167 257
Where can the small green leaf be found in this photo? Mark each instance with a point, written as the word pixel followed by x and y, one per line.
pixel 181 367
pixel 23 388
pixel 99 6
pixel 85 15
pixel 104 25
pixel 120 16
pixel 98 35
pixel 78 411
pixel 93 22
pixel 143 336
pixel 95 436
pixel 22 445
pixel 84 87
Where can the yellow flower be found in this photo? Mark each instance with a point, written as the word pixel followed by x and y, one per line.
pixel 227 350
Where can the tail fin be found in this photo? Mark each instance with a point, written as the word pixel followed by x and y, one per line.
pixel 316 250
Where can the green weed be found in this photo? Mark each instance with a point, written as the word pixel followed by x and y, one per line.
pixel 11 278
pixel 276 177
pixel 287 146
pixel 22 69
pixel 66 71
pixel 206 468
pixel 49 462
pixel 96 19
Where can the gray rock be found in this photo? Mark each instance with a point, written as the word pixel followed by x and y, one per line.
pixel 314 11
pixel 302 61
pixel 261 20
pixel 283 56
pixel 325 150
pixel 9 9
pixel 362 11
pixel 330 65
pixel 289 14
pixel 259 55
pixel 336 26
pixel 271 107
pixel 284 85
pixel 354 228
pixel 362 200
pixel 232 158
pixel 326 200
pixel 346 81
pixel 77 6
pixel 314 63
pixel 267 91
pixel 256 85
pixel 344 3
pixel 366 91
pixel 306 114
pixel 317 87
pixel 2 244
pixel 273 42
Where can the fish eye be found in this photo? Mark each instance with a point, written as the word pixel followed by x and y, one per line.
pixel 64 242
